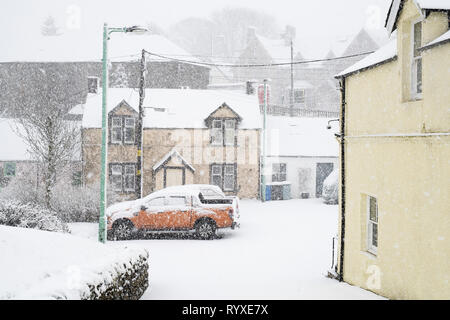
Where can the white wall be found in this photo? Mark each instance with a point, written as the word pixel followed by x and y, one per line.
pixel 295 165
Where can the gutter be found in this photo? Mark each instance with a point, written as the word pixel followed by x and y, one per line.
pixel 342 245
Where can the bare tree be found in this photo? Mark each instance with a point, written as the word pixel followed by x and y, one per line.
pixel 52 140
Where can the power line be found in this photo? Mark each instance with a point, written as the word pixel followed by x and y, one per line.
pixel 256 65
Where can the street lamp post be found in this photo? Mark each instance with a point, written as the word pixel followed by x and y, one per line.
pixel 106 32
pixel 263 159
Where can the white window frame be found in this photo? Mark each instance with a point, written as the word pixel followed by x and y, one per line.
pixel 116 173
pixel 125 175
pixel 278 172
pixel 214 130
pixel 233 176
pixel 370 223
pixel 217 174
pixel 304 96
pixel 229 129
pixel 133 126
pixel 113 126
pixel 414 62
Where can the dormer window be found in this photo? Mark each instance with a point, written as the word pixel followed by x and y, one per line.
pixel 223 132
pixel 123 130
pixel 416 79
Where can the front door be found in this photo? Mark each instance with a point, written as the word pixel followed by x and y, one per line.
pixel 174 176
pixel 323 170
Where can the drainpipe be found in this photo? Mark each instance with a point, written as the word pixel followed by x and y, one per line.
pixel 342 145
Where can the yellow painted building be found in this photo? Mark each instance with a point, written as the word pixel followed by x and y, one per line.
pixel 394 229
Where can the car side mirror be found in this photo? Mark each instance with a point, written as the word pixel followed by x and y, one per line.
pixel 143 208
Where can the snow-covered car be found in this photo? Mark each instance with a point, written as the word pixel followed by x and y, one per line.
pixel 330 188
pixel 202 208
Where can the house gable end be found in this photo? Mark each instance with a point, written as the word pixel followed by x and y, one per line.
pixel 223 112
pixel 123 109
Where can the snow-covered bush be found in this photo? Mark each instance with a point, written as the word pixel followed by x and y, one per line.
pixel 330 188
pixel 15 214
pixel 78 203
pixel 71 203
pixel 22 189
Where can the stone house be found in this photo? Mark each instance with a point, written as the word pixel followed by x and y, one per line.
pixel 394 221
pixel 189 136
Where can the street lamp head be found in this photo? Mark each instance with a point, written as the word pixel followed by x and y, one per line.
pixel 137 30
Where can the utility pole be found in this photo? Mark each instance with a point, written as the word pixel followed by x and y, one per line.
pixel 292 80
pixel 139 127
pixel 263 158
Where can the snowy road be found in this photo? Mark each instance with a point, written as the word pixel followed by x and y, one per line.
pixel 281 251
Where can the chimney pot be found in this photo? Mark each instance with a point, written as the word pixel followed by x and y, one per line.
pixel 93 84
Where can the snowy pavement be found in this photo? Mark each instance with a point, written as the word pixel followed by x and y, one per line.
pixel 281 251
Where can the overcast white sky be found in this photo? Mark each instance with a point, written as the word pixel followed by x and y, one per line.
pixel 315 20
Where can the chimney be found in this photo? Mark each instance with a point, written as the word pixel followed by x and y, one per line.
pixel 93 83
pixel 251 34
pixel 250 89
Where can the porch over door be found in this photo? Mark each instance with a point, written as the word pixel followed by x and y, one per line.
pixel 174 177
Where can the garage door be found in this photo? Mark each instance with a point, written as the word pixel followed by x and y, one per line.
pixel 323 170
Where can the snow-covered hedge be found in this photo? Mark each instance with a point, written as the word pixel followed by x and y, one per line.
pixel 51 265
pixel 15 214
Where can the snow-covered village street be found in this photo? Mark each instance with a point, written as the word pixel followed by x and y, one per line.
pixel 281 251
pixel 226 150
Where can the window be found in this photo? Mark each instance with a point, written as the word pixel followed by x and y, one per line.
pixel 230 132
pixel 229 178
pixel 299 96
pixel 9 169
pixel 216 175
pixel 223 132
pixel 372 224
pixel 416 83
pixel 224 176
pixel 116 130
pixel 157 202
pixel 76 179
pixel 129 178
pixel 217 133
pixel 123 130
pixel 123 177
pixel 116 177
pixel 129 130
pixel 278 172
pixel 177 201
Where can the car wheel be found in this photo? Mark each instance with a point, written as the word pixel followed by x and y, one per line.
pixel 123 230
pixel 206 229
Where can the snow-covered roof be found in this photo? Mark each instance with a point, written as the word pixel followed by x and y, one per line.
pixel 385 53
pixel 78 46
pixel 439 40
pixel 175 108
pixel 308 137
pixel 276 48
pixel 396 6
pixel 12 146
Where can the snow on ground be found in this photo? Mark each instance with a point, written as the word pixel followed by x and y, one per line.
pixel 39 264
pixel 281 251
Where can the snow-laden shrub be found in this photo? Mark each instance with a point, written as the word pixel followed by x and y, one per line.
pixel 78 203
pixel 15 214
pixel 70 202
pixel 330 188
pixel 23 189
